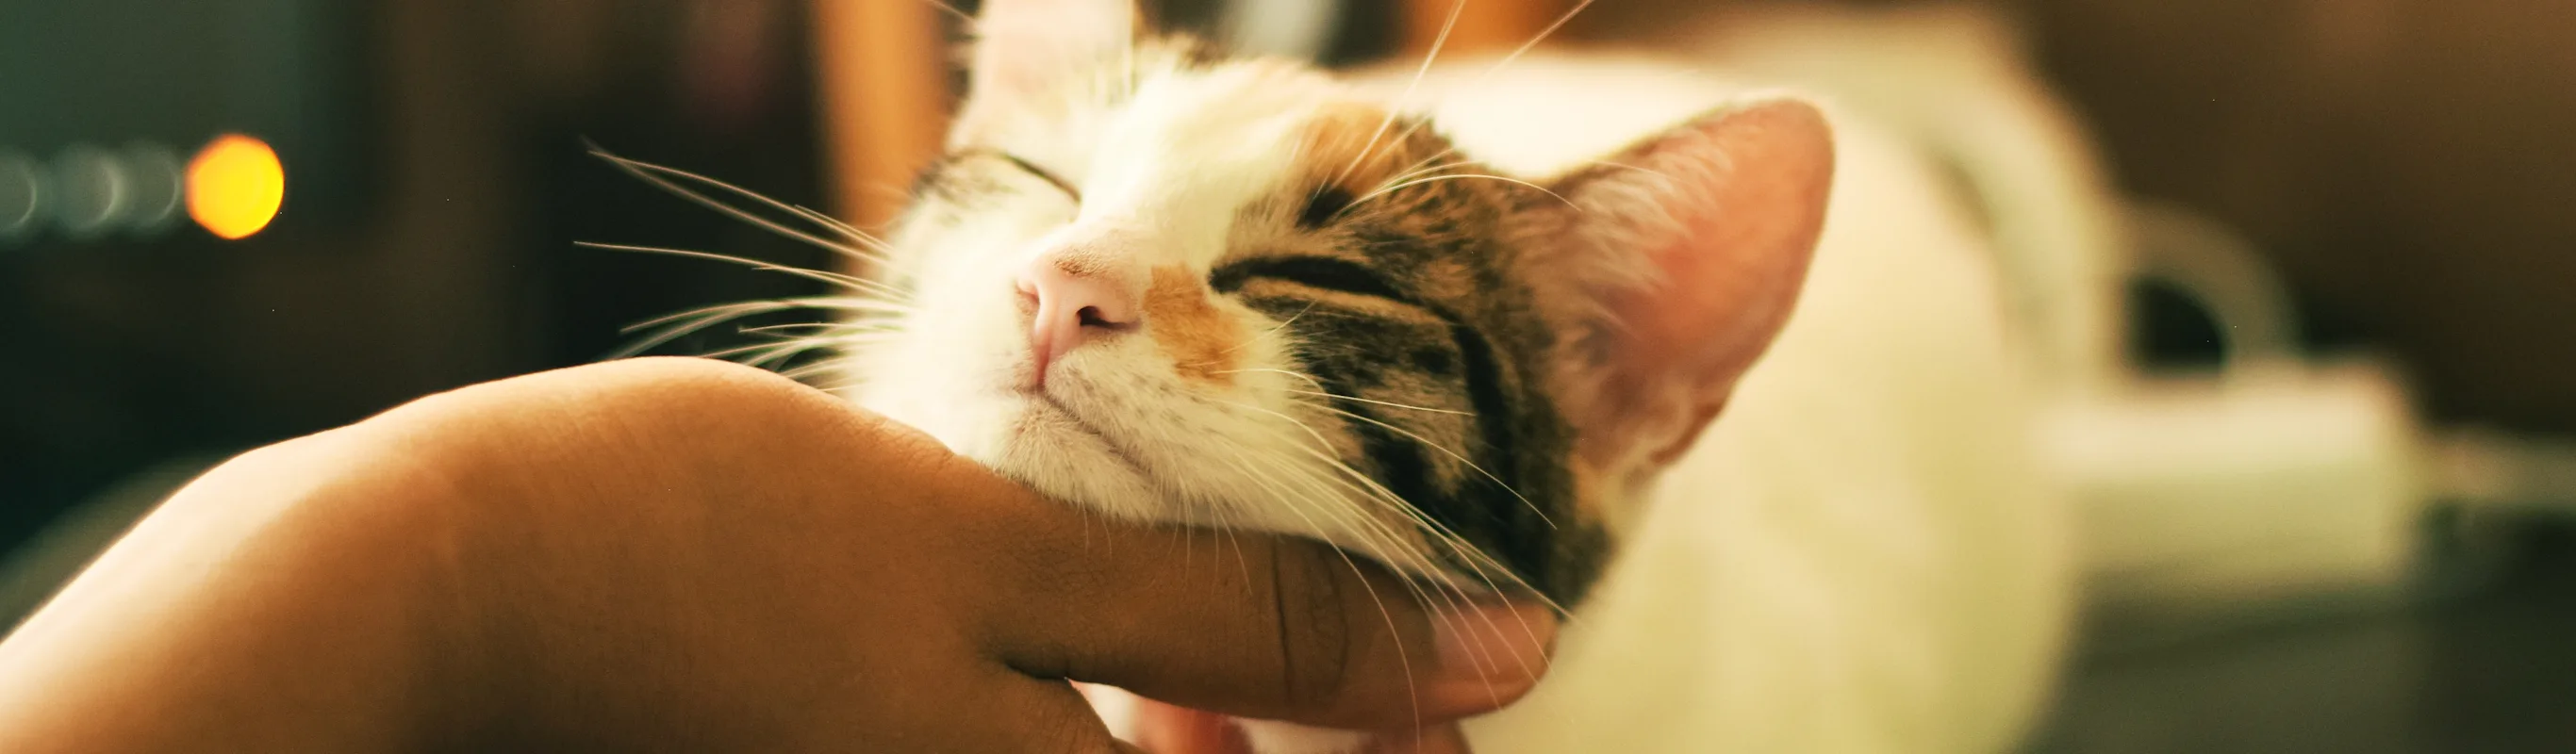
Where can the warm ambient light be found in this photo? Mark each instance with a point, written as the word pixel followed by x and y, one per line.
pixel 235 186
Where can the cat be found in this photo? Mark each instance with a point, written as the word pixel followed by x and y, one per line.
pixel 1492 324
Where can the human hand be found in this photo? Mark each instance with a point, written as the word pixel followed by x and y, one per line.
pixel 670 554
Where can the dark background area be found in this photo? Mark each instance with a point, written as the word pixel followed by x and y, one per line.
pixel 438 177
pixel 2407 165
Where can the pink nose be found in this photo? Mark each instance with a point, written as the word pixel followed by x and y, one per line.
pixel 1073 309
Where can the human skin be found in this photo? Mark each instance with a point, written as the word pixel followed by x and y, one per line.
pixel 683 555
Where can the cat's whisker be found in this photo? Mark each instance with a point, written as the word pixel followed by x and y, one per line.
pixel 1450 596
pixel 835 303
pixel 1543 34
pixel 1242 566
pixel 1457 176
pixel 676 326
pixel 661 177
pixel 1402 657
pixel 1417 168
pixel 1283 327
pixel 1420 164
pixel 1443 601
pixel 800 374
pixel 1321 452
pixel 1388 404
pixel 779 349
pixel 1310 379
pixel 1437 42
pixel 787 348
pixel 1460 458
pixel 1423 171
pixel 1376 533
pixel 770 353
pixel 1298 504
pixel 817 217
pixel 833 335
pixel 869 248
pixel 952 10
pixel 1470 556
pixel 1433 599
pixel 685 324
pixel 863 326
pixel 851 282
pixel 1416 171
pixel 748 307
pixel 1476 563
pixel 1507 60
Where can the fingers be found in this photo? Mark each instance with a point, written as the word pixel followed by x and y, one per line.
pixel 1033 715
pixel 1264 627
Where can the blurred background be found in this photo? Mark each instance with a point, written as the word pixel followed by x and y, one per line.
pixel 2320 262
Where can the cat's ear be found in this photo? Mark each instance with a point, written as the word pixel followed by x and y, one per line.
pixel 1683 256
pixel 1029 48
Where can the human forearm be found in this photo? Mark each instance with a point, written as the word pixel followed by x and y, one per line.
pixel 683 555
pixel 433 572
pixel 310 623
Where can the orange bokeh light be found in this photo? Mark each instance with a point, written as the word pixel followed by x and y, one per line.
pixel 235 186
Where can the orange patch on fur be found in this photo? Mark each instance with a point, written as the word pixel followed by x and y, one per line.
pixel 1200 339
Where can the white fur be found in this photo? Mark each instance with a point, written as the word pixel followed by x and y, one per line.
pixel 1162 174
pixel 1859 556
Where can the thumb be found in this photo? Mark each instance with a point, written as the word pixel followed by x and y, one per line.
pixel 1288 629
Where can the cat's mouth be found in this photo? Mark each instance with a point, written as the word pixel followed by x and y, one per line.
pixel 1039 401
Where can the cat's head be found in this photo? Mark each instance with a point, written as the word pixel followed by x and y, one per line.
pixel 1176 286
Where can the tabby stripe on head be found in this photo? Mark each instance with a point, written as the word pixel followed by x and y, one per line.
pixel 1481 510
pixel 1314 272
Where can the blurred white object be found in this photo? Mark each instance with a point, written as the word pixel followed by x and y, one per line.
pixel 2273 487
pixel 1954 79
pixel 2210 501
pixel 2491 472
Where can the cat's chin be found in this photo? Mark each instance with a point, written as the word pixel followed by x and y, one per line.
pixel 1052 450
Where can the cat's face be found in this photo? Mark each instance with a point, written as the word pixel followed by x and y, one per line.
pixel 1239 293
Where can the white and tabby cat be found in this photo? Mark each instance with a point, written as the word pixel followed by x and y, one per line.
pixel 1572 327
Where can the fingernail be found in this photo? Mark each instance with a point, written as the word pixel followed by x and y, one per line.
pixel 1492 653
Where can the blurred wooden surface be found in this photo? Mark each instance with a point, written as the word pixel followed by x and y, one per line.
pixel 883 68
pixel 2409 164
pixel 1482 25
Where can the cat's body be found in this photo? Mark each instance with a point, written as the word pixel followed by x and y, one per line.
pixel 1861 554
pixel 1479 348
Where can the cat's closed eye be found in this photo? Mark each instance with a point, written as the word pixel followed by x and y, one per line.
pixel 1322 273
pixel 1049 176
